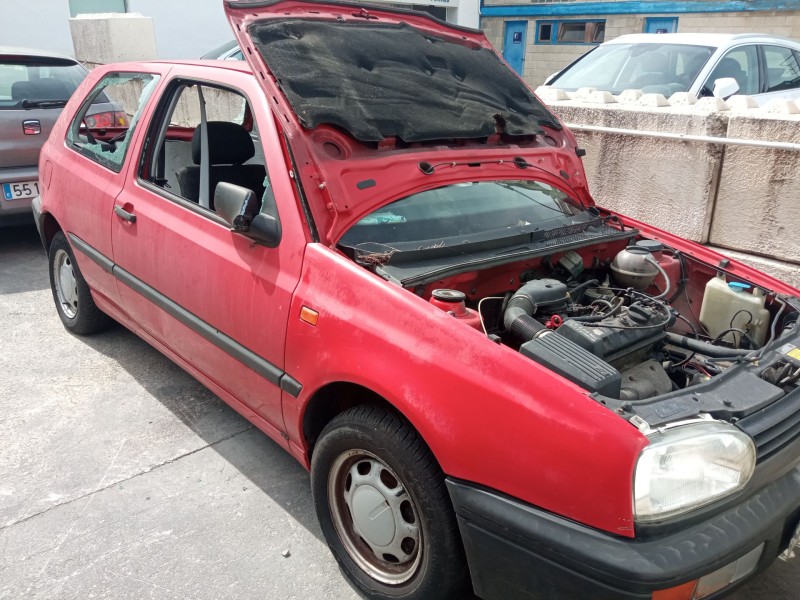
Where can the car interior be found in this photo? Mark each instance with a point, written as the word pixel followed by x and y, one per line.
pixel 48 88
pixel 233 154
pixel 740 64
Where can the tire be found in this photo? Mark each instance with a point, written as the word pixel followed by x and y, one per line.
pixel 367 461
pixel 74 302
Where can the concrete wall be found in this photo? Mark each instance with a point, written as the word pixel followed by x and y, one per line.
pixel 741 200
pixel 41 24
pixel 542 60
pixel 112 37
pixel 758 205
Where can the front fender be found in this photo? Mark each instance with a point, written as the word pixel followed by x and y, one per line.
pixel 489 415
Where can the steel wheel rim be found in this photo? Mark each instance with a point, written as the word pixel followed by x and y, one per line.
pixel 66 284
pixel 375 517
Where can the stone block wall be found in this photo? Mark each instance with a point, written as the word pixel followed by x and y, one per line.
pixel 542 60
pixel 741 200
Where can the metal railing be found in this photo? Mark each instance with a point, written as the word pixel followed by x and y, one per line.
pixel 684 137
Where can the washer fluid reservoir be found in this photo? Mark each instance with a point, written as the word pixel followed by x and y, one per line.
pixel 734 305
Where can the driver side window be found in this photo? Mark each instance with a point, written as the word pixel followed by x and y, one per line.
pixel 103 127
pixel 203 127
pixel 742 65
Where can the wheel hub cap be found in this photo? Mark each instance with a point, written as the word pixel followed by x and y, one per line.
pixel 372 516
pixel 66 284
pixel 375 517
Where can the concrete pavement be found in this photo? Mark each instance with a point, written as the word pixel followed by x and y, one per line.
pixel 122 477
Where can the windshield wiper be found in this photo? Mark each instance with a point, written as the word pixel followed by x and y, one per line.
pixel 43 103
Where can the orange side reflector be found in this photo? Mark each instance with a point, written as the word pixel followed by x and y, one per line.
pixel 309 316
pixel 682 592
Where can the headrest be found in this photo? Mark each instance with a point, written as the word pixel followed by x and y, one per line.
pixel 728 67
pixel 228 144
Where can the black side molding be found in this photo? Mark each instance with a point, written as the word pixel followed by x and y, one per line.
pixel 227 344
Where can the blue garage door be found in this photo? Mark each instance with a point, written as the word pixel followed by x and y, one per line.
pixel 514 44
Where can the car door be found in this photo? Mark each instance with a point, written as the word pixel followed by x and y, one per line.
pixel 213 297
pixel 781 73
pixel 96 171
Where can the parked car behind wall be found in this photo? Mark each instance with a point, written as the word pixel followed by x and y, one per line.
pixel 763 66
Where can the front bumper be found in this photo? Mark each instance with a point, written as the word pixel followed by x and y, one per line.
pixel 521 552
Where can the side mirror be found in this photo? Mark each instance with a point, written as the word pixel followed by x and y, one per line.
pixel 239 207
pixel 551 77
pixel 725 87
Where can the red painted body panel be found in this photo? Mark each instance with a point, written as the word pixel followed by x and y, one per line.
pixel 87 191
pixel 240 288
pixel 490 415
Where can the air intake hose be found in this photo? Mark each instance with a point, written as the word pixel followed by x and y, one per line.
pixel 518 317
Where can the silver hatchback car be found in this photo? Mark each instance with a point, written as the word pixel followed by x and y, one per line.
pixel 34 87
pixel 765 67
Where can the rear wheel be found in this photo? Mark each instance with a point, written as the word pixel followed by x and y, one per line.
pixel 384 509
pixel 74 301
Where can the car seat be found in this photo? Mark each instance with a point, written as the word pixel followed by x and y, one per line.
pixel 656 70
pixel 229 147
pixel 729 67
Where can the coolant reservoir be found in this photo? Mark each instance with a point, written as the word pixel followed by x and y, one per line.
pixel 734 305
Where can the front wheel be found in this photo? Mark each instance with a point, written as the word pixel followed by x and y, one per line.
pixel 383 507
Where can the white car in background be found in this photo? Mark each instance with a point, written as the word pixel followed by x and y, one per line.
pixel 765 67
pixel 227 51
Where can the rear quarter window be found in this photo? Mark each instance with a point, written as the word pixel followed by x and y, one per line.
pixel 103 127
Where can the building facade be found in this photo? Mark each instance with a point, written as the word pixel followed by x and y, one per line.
pixel 541 37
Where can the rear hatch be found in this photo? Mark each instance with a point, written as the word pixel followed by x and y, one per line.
pixel 33 90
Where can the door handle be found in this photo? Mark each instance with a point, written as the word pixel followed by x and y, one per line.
pixel 124 214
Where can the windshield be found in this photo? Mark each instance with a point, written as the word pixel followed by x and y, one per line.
pixel 465 212
pixel 29 83
pixel 652 68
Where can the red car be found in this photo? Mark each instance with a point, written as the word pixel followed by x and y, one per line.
pixel 375 243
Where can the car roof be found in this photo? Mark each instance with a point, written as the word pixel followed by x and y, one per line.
pixel 32 52
pixel 230 65
pixel 697 39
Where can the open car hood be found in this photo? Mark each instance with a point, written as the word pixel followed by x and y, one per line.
pixel 379 72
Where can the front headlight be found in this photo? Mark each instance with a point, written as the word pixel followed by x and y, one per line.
pixel 690 466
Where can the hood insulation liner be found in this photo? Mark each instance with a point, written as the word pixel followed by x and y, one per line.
pixel 377 81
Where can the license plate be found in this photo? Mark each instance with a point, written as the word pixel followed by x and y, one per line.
pixel 20 190
pixel 795 543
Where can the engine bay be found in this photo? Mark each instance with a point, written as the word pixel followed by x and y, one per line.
pixel 647 330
